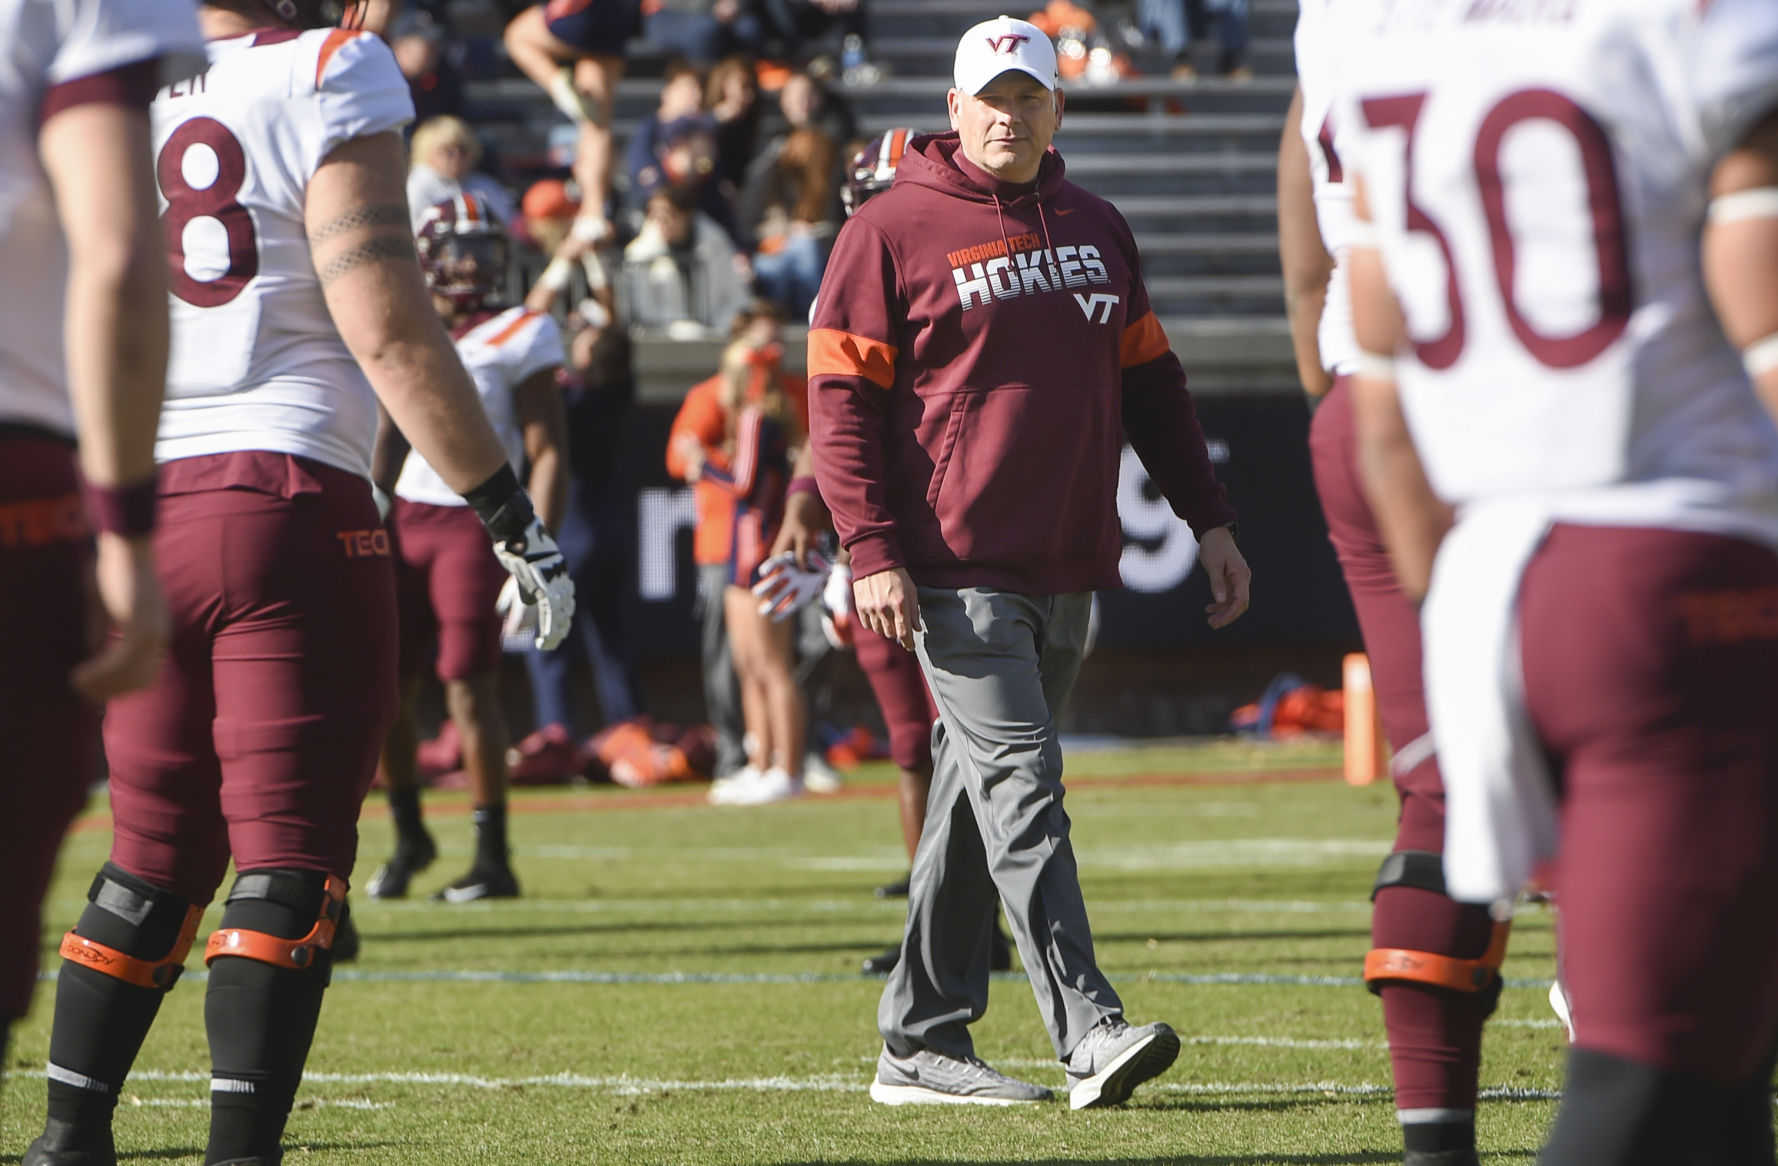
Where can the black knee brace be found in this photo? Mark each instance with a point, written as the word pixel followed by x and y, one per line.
pixel 1422 870
pixel 122 957
pixel 286 918
pixel 133 930
pixel 269 964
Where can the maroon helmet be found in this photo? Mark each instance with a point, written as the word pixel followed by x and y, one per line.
pixel 462 246
pixel 873 168
pixel 318 13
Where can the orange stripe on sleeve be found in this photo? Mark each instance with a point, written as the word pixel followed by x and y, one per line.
pixel 837 353
pixel 330 46
pixel 511 330
pixel 1143 341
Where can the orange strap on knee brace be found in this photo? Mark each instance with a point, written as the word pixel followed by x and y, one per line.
pixel 295 954
pixel 1439 971
pixel 161 973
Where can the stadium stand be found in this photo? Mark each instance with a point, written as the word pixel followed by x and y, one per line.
pixel 1190 164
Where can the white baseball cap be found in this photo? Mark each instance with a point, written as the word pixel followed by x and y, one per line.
pixel 994 46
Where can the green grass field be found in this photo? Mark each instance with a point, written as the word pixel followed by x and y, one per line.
pixel 680 985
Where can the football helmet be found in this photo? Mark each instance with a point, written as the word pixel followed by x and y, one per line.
pixel 462 246
pixel 873 168
pixel 318 13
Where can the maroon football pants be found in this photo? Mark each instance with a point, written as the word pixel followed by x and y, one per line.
pixel 50 735
pixel 1650 662
pixel 447 583
pixel 900 689
pixel 1435 1035
pixel 260 736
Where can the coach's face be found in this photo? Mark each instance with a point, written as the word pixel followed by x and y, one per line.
pixel 1008 125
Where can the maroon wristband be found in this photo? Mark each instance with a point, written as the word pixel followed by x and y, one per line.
pixel 803 485
pixel 124 510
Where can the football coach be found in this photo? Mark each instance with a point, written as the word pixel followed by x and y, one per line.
pixel 982 345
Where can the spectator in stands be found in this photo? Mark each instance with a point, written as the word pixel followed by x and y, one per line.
pixel 788 28
pixel 598 536
pixel 685 161
pixel 732 97
pixel 805 102
pixel 444 156
pixel 790 208
pixel 702 31
pixel 1230 19
pixel 681 272
pixel 547 211
pixel 1085 53
pixel 420 45
pixel 682 95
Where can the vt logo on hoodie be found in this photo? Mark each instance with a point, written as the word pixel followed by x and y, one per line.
pixel 1021 266
pixel 975 361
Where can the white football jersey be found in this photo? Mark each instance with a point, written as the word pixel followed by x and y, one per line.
pixel 44 45
pixel 257 362
pixel 1318 61
pixel 1538 174
pixel 501 353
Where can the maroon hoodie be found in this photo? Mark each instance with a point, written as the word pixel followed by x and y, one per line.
pixel 979 349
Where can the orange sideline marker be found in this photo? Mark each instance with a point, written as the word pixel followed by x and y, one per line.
pixel 1365 751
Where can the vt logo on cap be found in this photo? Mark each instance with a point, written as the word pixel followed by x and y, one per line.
pixel 994 46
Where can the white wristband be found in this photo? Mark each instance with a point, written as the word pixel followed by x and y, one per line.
pixel 1362 233
pixel 556 276
pixel 1376 366
pixel 1761 357
pixel 1744 205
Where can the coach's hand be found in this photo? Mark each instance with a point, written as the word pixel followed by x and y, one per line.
pixel 1230 578
pixel 126 605
pixel 537 566
pixel 887 605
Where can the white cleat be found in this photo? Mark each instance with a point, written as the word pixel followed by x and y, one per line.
pixel 725 791
pixel 774 785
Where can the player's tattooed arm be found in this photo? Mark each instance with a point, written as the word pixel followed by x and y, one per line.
pixel 386 249
pixel 382 216
pixel 379 301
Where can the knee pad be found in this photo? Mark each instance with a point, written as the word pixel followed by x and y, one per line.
pixel 133 930
pixel 1424 871
pixel 285 918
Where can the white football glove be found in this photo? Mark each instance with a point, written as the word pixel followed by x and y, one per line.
pixel 836 607
pixel 518 619
pixel 540 576
pixel 784 588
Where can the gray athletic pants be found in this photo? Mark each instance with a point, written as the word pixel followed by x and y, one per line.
pixel 722 690
pixel 1000 665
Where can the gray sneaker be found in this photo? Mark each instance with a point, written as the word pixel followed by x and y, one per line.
pixel 929 1078
pixel 1114 1058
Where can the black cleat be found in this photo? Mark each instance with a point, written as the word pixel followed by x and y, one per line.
pixel 999 957
pixel 895 890
pixel 345 940
pixel 412 855
pixel 882 963
pixel 492 882
pixel 1440 1158
pixel 62 1144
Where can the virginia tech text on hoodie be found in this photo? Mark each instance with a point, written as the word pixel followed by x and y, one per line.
pixel 978 352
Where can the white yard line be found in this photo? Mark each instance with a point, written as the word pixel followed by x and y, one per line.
pixel 821 1083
